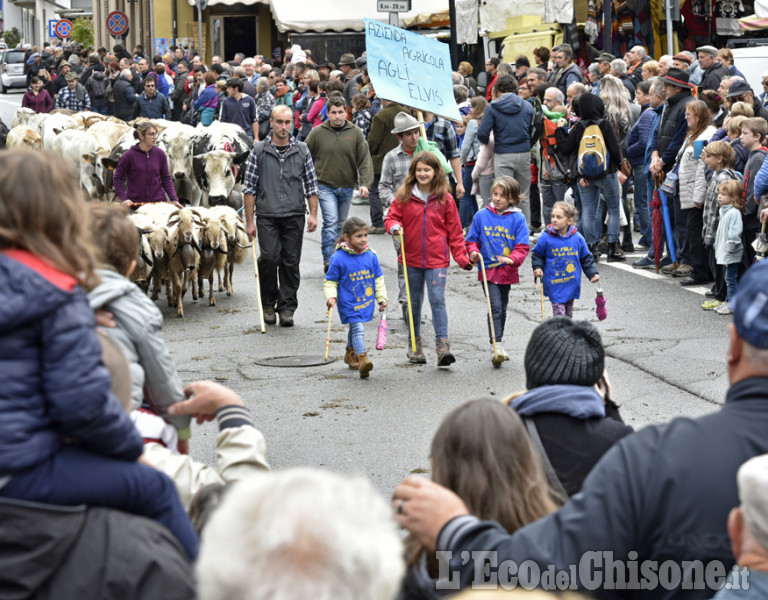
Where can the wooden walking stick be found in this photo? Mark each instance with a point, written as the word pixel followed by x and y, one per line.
pixel 258 286
pixel 328 335
pixel 541 289
pixel 407 293
pixel 497 360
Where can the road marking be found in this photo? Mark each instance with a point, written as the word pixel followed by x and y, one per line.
pixel 651 274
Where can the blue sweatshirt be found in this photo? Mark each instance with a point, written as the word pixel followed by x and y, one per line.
pixel 510 119
pixel 562 258
pixel 357 283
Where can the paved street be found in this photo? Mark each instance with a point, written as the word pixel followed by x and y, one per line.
pixel 666 358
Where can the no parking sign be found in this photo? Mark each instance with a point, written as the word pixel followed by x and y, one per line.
pixel 117 23
pixel 63 28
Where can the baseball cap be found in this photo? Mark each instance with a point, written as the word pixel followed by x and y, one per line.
pixel 750 306
pixel 737 88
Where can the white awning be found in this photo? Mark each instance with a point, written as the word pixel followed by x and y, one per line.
pixel 299 16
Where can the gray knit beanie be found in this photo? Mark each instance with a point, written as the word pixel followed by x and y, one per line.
pixel 563 351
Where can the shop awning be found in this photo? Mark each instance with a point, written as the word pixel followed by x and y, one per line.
pixel 299 16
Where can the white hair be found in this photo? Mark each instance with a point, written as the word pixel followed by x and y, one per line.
pixel 301 533
pixel 640 50
pixel 557 93
pixel 127 73
pixel 262 83
pixel 619 67
pixel 666 60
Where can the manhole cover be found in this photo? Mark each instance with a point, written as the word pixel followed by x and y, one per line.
pixel 295 361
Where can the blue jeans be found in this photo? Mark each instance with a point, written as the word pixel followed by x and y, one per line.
pixel 731 280
pixel 102 110
pixel 435 282
pixel 334 205
pixel 641 207
pixel 468 204
pixel 75 476
pixel 355 337
pixel 590 216
pixel 499 296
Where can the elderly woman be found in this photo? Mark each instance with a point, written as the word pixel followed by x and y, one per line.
pixel 650 69
pixel 265 102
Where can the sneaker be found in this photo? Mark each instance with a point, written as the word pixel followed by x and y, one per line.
pixel 376 230
pixel 644 263
pixel 444 356
pixel 682 271
pixel 668 269
pixel 724 309
pixel 711 304
pixel 270 318
pixel 502 352
pixel 286 318
pixel 416 358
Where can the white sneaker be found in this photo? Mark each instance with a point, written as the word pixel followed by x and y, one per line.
pixel 724 309
pixel 501 352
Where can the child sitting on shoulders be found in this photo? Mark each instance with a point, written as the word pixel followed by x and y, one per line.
pixel 499 233
pixel 354 278
pixel 561 253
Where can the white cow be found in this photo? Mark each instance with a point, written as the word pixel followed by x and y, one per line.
pixel 102 164
pixel 76 146
pixel 53 123
pixel 23 136
pixel 177 142
pixel 220 153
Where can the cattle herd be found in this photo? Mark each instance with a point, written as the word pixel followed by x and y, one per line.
pixel 178 248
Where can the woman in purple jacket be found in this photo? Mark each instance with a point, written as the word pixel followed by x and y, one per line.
pixel 36 97
pixel 142 175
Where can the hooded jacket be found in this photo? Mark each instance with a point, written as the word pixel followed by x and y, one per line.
pixel 431 232
pixel 54 552
pixel 154 378
pixel 562 258
pixel 54 383
pixel 40 103
pixel 692 185
pixel 591 110
pixel 510 118
pixel 576 427
pixel 97 76
pixel 728 246
pixel 144 176
pixel 356 281
pixel 493 234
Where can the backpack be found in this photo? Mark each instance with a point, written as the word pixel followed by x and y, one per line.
pixel 98 88
pixel 593 153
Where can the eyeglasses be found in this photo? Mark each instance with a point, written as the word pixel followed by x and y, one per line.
pixel 146 85
pixel 153 134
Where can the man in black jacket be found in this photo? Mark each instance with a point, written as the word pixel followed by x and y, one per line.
pixel 658 499
pixel 714 70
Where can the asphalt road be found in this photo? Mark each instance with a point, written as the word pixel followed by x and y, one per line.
pixel 665 357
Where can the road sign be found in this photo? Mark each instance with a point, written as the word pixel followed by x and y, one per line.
pixel 117 23
pixel 393 5
pixel 52 28
pixel 63 28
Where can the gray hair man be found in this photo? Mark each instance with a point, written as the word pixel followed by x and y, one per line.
pixel 301 533
pixel 619 70
pixel 638 503
pixel 637 55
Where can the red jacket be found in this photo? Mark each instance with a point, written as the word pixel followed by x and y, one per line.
pixel 489 89
pixel 431 232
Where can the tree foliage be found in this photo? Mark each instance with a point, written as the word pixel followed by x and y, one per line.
pixel 82 31
pixel 12 37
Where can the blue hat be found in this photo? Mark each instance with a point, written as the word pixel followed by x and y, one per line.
pixel 750 306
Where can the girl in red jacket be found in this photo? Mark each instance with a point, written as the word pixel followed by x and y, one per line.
pixel 425 213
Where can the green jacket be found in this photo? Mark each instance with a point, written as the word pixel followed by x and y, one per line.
pixel 381 139
pixel 341 155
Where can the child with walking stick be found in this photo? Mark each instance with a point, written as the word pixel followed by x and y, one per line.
pixel 425 214
pixel 353 281
pixel 559 256
pixel 499 234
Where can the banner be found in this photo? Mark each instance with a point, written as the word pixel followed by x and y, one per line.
pixel 410 69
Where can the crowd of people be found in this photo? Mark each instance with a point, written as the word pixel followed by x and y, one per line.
pixel 554 154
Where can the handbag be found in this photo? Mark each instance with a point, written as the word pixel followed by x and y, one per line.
pixel 264 128
pixel 625 167
pixel 669 186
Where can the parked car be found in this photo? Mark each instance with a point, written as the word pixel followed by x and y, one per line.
pixel 12 70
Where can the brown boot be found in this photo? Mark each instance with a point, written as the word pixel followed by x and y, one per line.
pixel 365 365
pixel 416 358
pixel 444 355
pixel 350 359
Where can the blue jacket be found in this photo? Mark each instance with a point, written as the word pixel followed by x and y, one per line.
pixel 562 258
pixel 637 139
pixel 359 283
pixel 652 133
pixel 510 118
pixel 54 383
pixel 761 181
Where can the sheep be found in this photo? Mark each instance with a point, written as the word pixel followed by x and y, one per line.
pixel 24 135
pixel 237 240
pixel 156 237
pixel 22 116
pixel 213 255
pixel 184 229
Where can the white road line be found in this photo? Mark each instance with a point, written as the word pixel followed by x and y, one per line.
pixel 651 273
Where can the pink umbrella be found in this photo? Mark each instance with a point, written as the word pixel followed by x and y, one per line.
pixel 600 309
